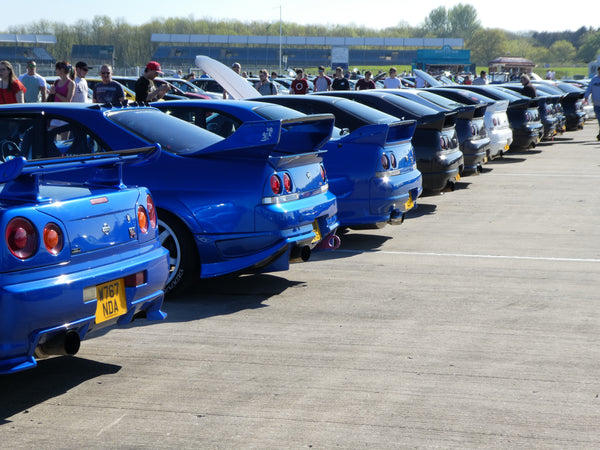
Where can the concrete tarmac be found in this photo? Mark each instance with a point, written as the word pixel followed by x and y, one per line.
pixel 475 324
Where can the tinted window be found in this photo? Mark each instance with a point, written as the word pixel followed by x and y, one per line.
pixel 174 135
pixel 45 137
pixel 275 112
pixel 439 100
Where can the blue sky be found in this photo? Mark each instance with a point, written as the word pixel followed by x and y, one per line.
pixel 511 15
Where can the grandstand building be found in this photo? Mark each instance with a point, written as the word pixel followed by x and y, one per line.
pixel 272 52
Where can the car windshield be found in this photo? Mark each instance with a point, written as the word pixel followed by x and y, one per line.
pixel 173 134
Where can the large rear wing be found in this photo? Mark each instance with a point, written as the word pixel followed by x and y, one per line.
pixel 275 138
pixel 21 177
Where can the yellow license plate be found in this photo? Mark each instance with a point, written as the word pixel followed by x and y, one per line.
pixel 457 177
pixel 409 204
pixel 317 232
pixel 111 300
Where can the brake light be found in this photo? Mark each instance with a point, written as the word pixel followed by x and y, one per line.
pixel 151 211
pixel 275 184
pixel 393 161
pixel 287 183
pixel 443 143
pixel 323 174
pixel 21 238
pixel 142 219
pixel 385 162
pixel 53 238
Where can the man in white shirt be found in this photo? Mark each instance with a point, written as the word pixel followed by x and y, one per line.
pixel 81 86
pixel 392 82
pixel 34 83
pixel 481 80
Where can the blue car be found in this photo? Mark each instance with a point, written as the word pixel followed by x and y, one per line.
pixel 252 202
pixel 76 257
pixel 371 170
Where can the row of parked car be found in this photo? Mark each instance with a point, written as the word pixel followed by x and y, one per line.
pixel 107 207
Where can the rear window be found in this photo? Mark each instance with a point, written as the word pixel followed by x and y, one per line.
pixel 276 112
pixel 173 134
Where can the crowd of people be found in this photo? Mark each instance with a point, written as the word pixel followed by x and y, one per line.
pixel 71 85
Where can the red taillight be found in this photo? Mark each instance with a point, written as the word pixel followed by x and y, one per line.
pixel 385 162
pixel 323 174
pixel 151 211
pixel 287 183
pixel 275 184
pixel 443 142
pixel 393 161
pixel 142 219
pixel 53 238
pixel 21 238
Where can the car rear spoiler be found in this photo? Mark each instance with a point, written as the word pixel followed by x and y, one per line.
pixel 498 106
pixel 465 112
pixel 382 134
pixel 436 121
pixel 272 138
pixel 522 103
pixel 21 177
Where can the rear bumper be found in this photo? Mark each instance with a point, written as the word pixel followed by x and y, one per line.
pixel 527 136
pixel 475 153
pixel 278 229
pixel 441 170
pixel 35 310
pixel 500 141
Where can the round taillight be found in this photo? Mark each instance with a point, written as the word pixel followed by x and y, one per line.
pixel 53 238
pixel 443 143
pixel 275 184
pixel 323 174
pixel 393 160
pixel 287 182
pixel 21 238
pixel 151 211
pixel 142 219
pixel 385 162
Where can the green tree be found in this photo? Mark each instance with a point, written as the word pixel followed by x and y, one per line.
pixel 487 44
pixel 436 23
pixel 463 21
pixel 590 47
pixel 561 52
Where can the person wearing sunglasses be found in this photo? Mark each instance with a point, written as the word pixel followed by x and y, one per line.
pixel 11 89
pixel 108 91
pixel 34 83
pixel 81 86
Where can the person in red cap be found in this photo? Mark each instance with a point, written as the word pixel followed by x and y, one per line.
pixel 145 90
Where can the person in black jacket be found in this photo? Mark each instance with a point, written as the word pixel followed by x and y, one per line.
pixel 528 87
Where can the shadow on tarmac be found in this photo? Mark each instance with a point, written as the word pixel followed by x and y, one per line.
pixel 506 160
pixel 51 378
pixel 225 295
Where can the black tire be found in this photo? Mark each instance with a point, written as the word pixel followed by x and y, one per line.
pixel 184 263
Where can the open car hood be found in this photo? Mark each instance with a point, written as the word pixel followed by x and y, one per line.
pixel 236 86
